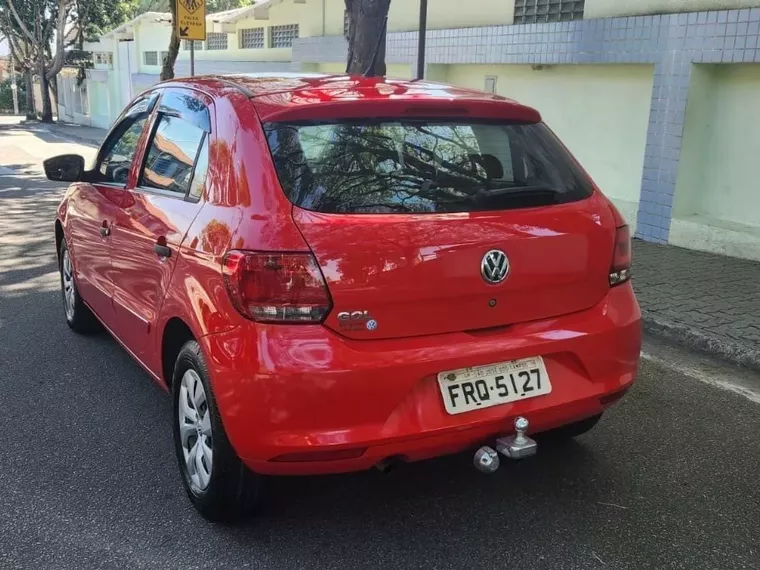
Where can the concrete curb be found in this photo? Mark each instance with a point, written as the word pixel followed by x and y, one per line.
pixel 731 350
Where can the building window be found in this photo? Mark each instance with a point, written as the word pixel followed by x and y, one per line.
pixel 283 36
pixel 150 57
pixel 186 45
pixel 252 38
pixel 102 58
pixel 216 41
pixel 541 11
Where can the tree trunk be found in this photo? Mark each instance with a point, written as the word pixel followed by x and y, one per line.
pixel 167 69
pixel 47 107
pixel 366 36
pixel 30 112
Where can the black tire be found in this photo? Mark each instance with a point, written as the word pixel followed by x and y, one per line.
pixel 233 490
pixel 80 319
pixel 575 429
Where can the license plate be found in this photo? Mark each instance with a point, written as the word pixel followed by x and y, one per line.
pixel 481 387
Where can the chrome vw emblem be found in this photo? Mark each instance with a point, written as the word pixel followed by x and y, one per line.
pixel 495 266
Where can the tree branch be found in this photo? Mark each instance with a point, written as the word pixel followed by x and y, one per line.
pixel 57 62
pixel 20 23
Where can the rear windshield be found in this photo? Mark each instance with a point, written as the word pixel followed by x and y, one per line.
pixel 422 166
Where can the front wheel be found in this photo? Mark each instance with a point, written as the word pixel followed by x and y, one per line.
pixel 218 484
pixel 78 315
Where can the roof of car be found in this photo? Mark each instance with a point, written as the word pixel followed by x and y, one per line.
pixel 300 94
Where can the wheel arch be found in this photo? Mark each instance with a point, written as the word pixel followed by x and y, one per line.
pixel 175 334
pixel 58 237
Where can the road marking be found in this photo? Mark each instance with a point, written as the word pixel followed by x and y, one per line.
pixel 718 379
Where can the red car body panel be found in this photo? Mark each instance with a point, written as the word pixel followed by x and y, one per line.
pixel 87 206
pixel 559 264
pixel 304 389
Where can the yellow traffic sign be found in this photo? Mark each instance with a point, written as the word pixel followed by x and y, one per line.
pixel 191 19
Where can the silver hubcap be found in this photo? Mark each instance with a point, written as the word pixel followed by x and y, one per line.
pixel 195 430
pixel 68 286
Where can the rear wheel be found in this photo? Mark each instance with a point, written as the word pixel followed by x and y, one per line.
pixel 78 315
pixel 575 429
pixel 218 484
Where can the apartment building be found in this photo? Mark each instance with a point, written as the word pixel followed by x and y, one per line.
pixel 660 99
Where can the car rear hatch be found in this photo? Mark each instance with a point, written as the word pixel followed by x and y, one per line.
pixel 429 226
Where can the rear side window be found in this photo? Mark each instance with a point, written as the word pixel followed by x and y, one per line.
pixel 422 166
pixel 172 153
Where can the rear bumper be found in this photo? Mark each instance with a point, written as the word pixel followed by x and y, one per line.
pixel 285 390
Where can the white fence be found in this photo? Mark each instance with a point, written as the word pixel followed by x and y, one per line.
pixel 73 106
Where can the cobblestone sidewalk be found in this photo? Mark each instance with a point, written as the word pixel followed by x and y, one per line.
pixel 706 301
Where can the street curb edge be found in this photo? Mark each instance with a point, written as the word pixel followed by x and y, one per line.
pixel 736 352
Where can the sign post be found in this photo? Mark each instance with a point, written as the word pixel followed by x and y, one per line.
pixel 191 24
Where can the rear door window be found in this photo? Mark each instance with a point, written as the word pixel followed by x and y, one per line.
pixel 175 155
pixel 422 166
pixel 172 153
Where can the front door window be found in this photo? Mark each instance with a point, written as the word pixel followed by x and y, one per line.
pixel 115 166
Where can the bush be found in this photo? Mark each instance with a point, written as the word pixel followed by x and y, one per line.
pixel 6 95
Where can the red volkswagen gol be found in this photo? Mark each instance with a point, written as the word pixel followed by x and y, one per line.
pixel 331 273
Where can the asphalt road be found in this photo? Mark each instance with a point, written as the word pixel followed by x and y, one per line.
pixel 669 479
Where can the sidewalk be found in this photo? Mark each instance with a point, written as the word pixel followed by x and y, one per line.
pixel 85 135
pixel 705 301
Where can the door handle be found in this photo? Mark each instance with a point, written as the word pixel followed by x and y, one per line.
pixel 104 231
pixel 162 250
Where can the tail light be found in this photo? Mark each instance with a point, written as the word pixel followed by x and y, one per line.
pixel 620 272
pixel 275 287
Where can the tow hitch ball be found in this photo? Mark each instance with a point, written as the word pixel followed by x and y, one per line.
pixel 516 446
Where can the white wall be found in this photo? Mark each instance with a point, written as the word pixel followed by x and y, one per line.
pixel 607 8
pixel 151 36
pixel 98 94
pixel 719 173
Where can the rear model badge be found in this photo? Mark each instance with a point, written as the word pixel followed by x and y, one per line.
pixel 494 267
pixel 356 321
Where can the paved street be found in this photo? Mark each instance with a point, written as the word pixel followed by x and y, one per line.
pixel 669 478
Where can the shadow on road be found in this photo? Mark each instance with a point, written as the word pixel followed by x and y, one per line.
pixel 27 217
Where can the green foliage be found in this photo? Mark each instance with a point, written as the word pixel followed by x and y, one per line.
pixel 222 5
pixel 100 16
pixel 212 6
pixel 6 95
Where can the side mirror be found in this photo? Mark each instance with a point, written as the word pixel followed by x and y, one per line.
pixel 64 168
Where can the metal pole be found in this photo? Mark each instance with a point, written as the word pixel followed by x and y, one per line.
pixel 421 44
pixel 14 87
pixel 192 58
